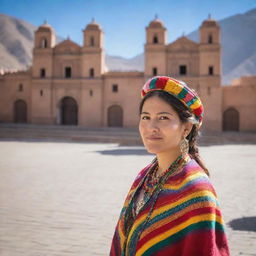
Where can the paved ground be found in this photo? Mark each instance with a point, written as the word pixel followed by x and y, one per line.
pixel 63 199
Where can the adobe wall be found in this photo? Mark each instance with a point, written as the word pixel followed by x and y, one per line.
pixel 212 101
pixel 243 99
pixel 90 103
pixel 128 95
pixel 9 93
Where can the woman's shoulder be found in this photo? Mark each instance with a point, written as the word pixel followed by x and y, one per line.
pixel 192 170
pixel 192 179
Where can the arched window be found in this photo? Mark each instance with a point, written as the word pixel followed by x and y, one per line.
pixel 44 43
pixel 155 39
pixel 209 39
pixel 115 88
pixel 92 41
pixel 91 72
pixel 42 72
pixel 154 71
pixel 183 69
pixel 41 92
pixel 68 72
pixel 20 87
pixel 210 71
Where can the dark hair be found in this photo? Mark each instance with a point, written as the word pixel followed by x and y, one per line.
pixel 184 115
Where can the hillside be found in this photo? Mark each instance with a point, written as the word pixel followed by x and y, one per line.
pixel 16 42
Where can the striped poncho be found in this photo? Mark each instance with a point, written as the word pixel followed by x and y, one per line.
pixel 186 219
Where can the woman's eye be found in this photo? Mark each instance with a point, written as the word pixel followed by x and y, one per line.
pixel 163 117
pixel 144 117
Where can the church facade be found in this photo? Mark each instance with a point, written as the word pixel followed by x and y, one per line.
pixel 68 84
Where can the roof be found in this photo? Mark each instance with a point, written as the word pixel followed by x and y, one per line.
pixel 67 46
pixel 183 43
pixel 45 28
pixel 210 22
pixel 156 23
pixel 93 26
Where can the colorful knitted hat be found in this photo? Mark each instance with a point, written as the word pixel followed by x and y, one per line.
pixel 178 89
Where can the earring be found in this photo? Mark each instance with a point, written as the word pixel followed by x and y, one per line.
pixel 184 146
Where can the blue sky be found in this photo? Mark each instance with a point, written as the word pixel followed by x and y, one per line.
pixel 123 22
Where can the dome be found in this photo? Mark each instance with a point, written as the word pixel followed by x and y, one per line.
pixel 156 23
pixel 45 28
pixel 210 22
pixel 93 26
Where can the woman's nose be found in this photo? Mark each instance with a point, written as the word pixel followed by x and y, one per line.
pixel 153 125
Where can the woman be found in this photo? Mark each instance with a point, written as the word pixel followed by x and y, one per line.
pixel 171 208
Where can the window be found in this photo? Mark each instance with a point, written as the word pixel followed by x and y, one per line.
pixel 114 88
pixel 68 72
pixel 210 70
pixel 154 71
pixel 41 92
pixel 210 39
pixel 91 93
pixel 209 90
pixel 20 87
pixel 183 69
pixel 91 72
pixel 42 72
pixel 44 43
pixel 92 41
pixel 155 39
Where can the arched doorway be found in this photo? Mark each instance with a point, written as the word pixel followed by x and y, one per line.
pixel 231 120
pixel 20 111
pixel 115 116
pixel 69 111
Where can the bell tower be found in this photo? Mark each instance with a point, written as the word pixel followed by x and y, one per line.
pixel 42 52
pixel 210 74
pixel 92 51
pixel 210 49
pixel 155 56
pixel 42 73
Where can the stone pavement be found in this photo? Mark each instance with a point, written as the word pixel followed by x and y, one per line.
pixel 63 199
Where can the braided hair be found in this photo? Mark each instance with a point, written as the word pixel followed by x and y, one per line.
pixel 185 116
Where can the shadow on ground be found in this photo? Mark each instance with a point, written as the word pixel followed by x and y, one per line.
pixel 244 224
pixel 124 152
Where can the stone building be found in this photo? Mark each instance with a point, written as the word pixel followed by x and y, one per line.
pixel 68 84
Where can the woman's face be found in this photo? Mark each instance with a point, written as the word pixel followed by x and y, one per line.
pixel 160 127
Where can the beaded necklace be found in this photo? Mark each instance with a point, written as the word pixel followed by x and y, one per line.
pixel 130 212
pixel 152 181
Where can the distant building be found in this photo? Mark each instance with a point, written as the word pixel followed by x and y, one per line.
pixel 68 84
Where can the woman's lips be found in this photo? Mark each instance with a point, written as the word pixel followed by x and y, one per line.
pixel 153 138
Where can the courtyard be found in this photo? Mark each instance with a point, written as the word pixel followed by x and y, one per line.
pixel 64 198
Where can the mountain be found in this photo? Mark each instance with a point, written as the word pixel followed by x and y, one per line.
pixel 122 64
pixel 16 42
pixel 238 37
